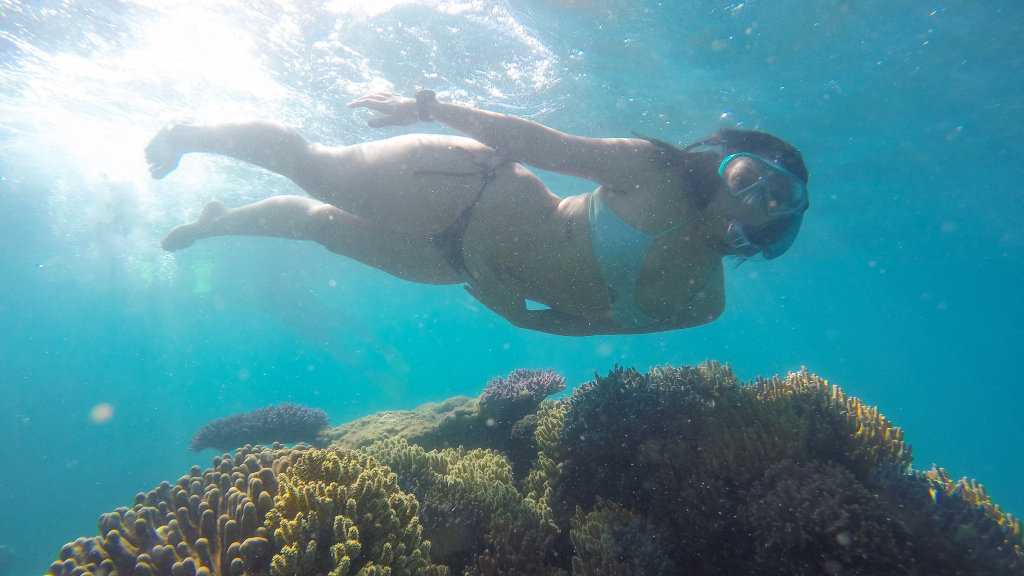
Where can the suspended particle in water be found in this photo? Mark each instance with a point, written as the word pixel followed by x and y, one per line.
pixel 101 413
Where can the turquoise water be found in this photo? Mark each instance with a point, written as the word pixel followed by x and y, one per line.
pixel 903 286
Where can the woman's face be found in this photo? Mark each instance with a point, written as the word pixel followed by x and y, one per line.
pixel 752 194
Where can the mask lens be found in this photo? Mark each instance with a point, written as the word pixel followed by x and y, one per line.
pixel 783 197
pixel 776 190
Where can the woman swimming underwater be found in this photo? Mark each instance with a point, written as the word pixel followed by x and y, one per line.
pixel 641 253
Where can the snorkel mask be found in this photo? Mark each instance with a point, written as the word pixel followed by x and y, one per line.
pixel 778 191
pixel 784 203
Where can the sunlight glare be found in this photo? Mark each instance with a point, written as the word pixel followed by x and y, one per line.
pixel 197 52
pixel 362 9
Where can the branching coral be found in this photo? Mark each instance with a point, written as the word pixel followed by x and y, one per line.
pixel 612 541
pixel 208 523
pixel 501 419
pixel 507 411
pixel 544 475
pixel 283 511
pixel 973 495
pixel 956 527
pixel 677 445
pixel 286 423
pixel 507 399
pixel 341 512
pixel 818 519
pixel 835 426
pixel 472 511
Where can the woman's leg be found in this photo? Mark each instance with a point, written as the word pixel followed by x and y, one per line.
pixel 417 183
pixel 265 144
pixel 280 216
pixel 410 257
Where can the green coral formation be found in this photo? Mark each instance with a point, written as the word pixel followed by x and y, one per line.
pixel 835 426
pixel 612 541
pixel 956 525
pixel 425 425
pixel 677 446
pixel 340 512
pixel 785 476
pixel 680 470
pixel 208 523
pixel 816 518
pixel 472 511
pixel 502 418
pixel 550 419
pixel 974 497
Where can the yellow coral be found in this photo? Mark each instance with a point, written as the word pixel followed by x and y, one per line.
pixel 859 434
pixel 208 523
pixel 539 481
pixel 974 494
pixel 341 512
pixel 473 513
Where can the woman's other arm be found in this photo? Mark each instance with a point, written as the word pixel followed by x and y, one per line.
pixel 614 162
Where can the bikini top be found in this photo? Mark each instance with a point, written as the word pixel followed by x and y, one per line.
pixel 620 250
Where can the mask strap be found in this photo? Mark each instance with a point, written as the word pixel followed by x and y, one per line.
pixel 711 142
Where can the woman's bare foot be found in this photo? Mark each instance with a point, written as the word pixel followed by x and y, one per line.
pixel 183 236
pixel 164 151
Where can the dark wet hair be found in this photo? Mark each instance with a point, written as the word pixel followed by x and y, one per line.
pixel 701 169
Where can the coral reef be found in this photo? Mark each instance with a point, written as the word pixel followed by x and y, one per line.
pixel 612 541
pixel 281 511
pixel 676 445
pixel 419 426
pixel 210 522
pixel 680 470
pixel 971 496
pixel 835 426
pixel 956 527
pixel 507 399
pixel 476 518
pixel 502 418
pixel 341 512
pixel 285 423
pixel 785 476
pixel 550 419
pixel 817 518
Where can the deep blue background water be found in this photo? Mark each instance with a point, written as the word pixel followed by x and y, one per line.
pixel 903 286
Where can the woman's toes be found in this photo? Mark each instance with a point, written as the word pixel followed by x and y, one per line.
pixel 163 153
pixel 160 170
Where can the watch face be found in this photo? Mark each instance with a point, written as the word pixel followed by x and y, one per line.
pixel 424 97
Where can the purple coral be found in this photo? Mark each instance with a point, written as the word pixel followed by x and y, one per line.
pixel 510 398
pixel 286 423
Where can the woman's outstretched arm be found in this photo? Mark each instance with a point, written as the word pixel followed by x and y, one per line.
pixel 611 161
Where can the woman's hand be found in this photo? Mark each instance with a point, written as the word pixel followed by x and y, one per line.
pixel 393 110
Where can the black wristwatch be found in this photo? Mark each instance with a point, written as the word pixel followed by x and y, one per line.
pixel 425 98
